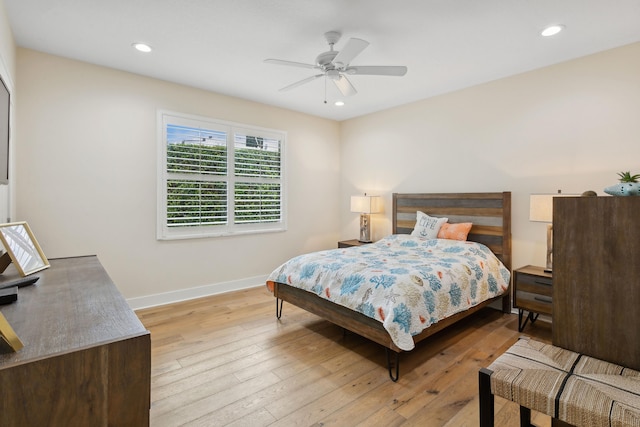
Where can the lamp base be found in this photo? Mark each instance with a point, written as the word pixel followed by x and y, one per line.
pixel 549 267
pixel 365 230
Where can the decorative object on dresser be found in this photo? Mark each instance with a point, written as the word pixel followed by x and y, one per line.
pixel 596 278
pixel 86 359
pixel 532 291
pixel 365 205
pixel 628 185
pixel 9 341
pixel 22 248
pixel 541 210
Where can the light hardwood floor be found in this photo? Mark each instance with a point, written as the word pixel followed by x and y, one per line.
pixel 226 360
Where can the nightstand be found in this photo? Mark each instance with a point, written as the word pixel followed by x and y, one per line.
pixel 532 291
pixel 350 243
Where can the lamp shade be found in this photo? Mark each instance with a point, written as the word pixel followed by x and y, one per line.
pixel 365 204
pixel 541 207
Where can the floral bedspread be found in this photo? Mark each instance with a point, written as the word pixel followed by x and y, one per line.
pixel 405 282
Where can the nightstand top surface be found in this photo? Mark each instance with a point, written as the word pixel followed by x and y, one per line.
pixel 351 243
pixel 533 269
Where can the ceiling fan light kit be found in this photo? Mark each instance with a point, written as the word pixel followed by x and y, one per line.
pixel 335 65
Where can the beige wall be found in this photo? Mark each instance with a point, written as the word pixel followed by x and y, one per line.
pixel 571 126
pixel 86 163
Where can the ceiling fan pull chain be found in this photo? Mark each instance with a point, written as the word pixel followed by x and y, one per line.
pixel 325 90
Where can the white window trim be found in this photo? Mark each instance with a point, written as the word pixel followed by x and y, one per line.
pixel 166 233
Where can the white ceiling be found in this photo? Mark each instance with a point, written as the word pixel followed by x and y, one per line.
pixel 220 45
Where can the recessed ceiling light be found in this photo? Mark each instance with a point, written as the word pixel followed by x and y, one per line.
pixel 339 103
pixel 552 30
pixel 142 47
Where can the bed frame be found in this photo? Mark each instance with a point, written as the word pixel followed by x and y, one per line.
pixel 490 214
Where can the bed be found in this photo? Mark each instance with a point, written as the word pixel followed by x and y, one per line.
pixel 490 215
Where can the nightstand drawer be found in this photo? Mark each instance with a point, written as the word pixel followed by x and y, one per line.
pixel 534 279
pixel 534 302
pixel 534 284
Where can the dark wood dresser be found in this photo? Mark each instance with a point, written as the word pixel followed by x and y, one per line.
pixel 596 277
pixel 86 359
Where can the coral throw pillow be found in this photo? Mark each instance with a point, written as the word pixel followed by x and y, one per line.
pixel 455 231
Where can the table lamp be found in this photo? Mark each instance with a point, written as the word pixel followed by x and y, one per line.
pixel 541 210
pixel 365 205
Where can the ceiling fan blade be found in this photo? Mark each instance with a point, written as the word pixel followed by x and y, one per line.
pixel 301 82
pixel 377 70
pixel 352 49
pixel 290 63
pixel 345 86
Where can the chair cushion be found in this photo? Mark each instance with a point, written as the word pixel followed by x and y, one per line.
pixel 577 389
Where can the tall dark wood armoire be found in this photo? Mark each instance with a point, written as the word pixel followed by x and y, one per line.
pixel 596 277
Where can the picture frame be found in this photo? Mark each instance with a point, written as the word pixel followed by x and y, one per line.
pixel 22 249
pixel 9 341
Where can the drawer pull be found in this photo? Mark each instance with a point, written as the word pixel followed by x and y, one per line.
pixel 538 282
pixel 543 299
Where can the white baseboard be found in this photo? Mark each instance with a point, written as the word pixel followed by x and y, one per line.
pixel 197 292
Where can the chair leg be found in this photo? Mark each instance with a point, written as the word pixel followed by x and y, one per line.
pixel 525 417
pixel 486 398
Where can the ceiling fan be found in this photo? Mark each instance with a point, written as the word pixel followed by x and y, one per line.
pixel 335 65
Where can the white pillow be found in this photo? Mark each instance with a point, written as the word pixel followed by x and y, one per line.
pixel 427 227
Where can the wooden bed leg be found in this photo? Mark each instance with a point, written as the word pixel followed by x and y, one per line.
pixel 506 303
pixel 486 398
pixel 279 308
pixel 391 364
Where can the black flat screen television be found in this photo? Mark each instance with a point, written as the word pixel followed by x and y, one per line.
pixel 4 132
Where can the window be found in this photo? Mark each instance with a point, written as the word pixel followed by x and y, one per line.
pixel 218 178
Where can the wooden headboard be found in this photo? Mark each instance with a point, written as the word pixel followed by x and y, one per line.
pixel 490 214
